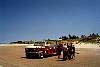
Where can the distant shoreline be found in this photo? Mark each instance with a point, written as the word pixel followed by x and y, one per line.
pixel 15 44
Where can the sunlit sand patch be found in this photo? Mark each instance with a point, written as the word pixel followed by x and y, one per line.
pixel 1 66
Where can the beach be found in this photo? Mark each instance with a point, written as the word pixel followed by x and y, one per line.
pixel 14 56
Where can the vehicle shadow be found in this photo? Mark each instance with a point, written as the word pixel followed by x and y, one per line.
pixel 60 60
pixel 23 57
pixel 31 58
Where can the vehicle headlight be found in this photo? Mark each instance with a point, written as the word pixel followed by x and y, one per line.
pixel 36 52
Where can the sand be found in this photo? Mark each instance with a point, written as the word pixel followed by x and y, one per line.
pixel 14 56
pixel 87 45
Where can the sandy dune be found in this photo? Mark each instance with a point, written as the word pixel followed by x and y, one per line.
pixel 87 45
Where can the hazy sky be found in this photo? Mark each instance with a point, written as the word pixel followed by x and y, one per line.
pixel 43 19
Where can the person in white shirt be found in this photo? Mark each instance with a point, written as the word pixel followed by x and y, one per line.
pixel 65 50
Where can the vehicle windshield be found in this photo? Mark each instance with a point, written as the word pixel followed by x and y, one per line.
pixel 32 49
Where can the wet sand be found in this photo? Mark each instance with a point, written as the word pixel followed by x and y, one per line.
pixel 14 56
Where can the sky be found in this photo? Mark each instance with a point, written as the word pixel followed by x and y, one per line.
pixel 43 19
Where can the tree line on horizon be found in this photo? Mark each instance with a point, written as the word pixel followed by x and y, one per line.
pixel 69 37
pixel 90 36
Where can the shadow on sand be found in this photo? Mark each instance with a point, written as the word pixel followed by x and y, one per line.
pixel 23 57
pixel 31 58
pixel 60 60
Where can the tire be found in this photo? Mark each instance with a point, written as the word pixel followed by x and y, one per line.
pixel 40 55
pixel 27 56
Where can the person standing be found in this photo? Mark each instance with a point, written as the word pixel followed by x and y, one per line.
pixel 65 49
pixel 73 51
pixel 59 49
pixel 69 51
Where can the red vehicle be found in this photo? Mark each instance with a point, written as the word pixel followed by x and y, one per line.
pixel 51 50
pixel 40 51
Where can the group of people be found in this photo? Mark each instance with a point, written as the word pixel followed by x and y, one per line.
pixel 68 51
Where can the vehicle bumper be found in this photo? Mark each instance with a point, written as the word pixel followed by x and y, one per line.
pixel 34 55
